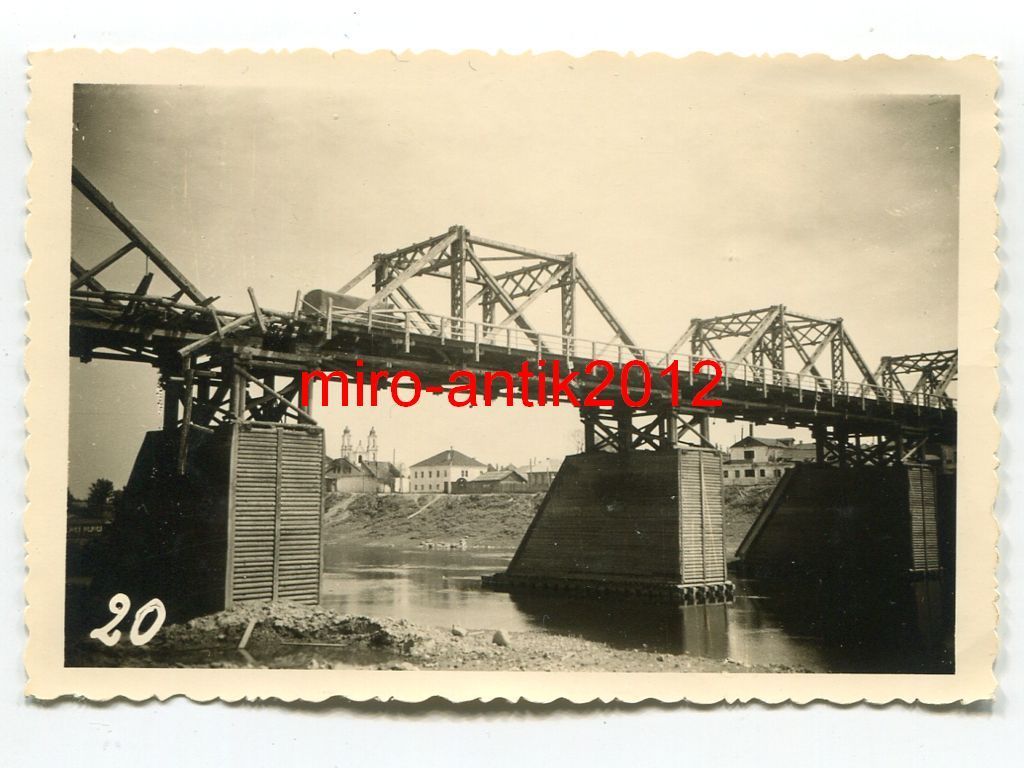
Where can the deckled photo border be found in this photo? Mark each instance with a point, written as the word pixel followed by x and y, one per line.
pixel 52 76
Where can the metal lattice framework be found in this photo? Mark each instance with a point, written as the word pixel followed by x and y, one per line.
pixel 621 429
pixel 219 366
pixel 934 371
pixel 820 347
pixel 498 299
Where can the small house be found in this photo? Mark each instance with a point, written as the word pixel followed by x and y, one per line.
pixel 495 481
pixel 540 473
pixel 755 460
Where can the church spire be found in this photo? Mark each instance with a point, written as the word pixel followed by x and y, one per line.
pixel 371 444
pixel 346 443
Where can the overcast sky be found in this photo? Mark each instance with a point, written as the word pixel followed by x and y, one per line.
pixel 686 192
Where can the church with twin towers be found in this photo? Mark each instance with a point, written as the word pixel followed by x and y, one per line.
pixel 358 469
pixel 360 452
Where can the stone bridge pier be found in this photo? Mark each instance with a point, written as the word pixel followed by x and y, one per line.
pixel 629 522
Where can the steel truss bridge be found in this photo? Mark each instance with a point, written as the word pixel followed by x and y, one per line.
pixel 219 366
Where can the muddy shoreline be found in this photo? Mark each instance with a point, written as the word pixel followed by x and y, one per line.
pixel 293 636
pixel 290 636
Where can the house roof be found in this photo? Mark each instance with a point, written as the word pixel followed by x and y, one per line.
pixel 802 447
pixel 497 475
pixel 382 470
pixel 450 457
pixel 770 442
pixel 345 467
pixel 543 465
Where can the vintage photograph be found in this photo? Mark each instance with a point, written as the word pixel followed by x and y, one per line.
pixel 626 365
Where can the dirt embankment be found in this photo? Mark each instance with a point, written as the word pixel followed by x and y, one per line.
pixel 484 520
pixel 742 506
pixel 290 636
pixel 409 519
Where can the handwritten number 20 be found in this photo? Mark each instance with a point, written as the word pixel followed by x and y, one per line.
pixel 119 605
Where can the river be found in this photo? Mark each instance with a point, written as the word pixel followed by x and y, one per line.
pixel 808 626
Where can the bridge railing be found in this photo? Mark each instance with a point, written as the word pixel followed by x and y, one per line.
pixel 537 344
pixel 820 388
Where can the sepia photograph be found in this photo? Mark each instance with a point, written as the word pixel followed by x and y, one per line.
pixel 535 365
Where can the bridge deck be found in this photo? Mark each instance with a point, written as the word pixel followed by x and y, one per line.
pixel 434 345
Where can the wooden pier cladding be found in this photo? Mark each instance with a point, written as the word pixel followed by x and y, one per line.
pixel 275 503
pixel 242 523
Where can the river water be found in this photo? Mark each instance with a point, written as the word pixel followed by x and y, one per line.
pixel 808 626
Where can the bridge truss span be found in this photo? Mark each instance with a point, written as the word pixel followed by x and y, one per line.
pixel 220 366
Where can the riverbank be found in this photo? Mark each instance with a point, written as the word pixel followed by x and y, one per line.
pixel 291 636
pixel 495 521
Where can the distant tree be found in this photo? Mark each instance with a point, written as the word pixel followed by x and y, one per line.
pixel 98 501
pixel 71 501
pixel 116 501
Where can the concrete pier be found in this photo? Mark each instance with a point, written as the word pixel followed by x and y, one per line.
pixel 856 520
pixel 641 522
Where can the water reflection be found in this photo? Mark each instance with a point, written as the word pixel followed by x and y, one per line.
pixel 810 624
pixel 701 630
pixel 868 625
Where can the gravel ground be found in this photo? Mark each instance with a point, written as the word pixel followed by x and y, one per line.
pixel 287 635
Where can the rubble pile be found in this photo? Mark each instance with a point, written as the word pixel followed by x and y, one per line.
pixel 280 629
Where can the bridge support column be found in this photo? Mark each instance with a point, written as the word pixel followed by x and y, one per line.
pixel 639 522
pixel 867 521
pixel 243 522
pixel 172 396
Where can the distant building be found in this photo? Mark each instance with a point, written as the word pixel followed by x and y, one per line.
pixel 439 473
pixel 495 481
pixel 388 475
pixel 357 470
pixel 346 476
pixel 754 460
pixel 540 473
